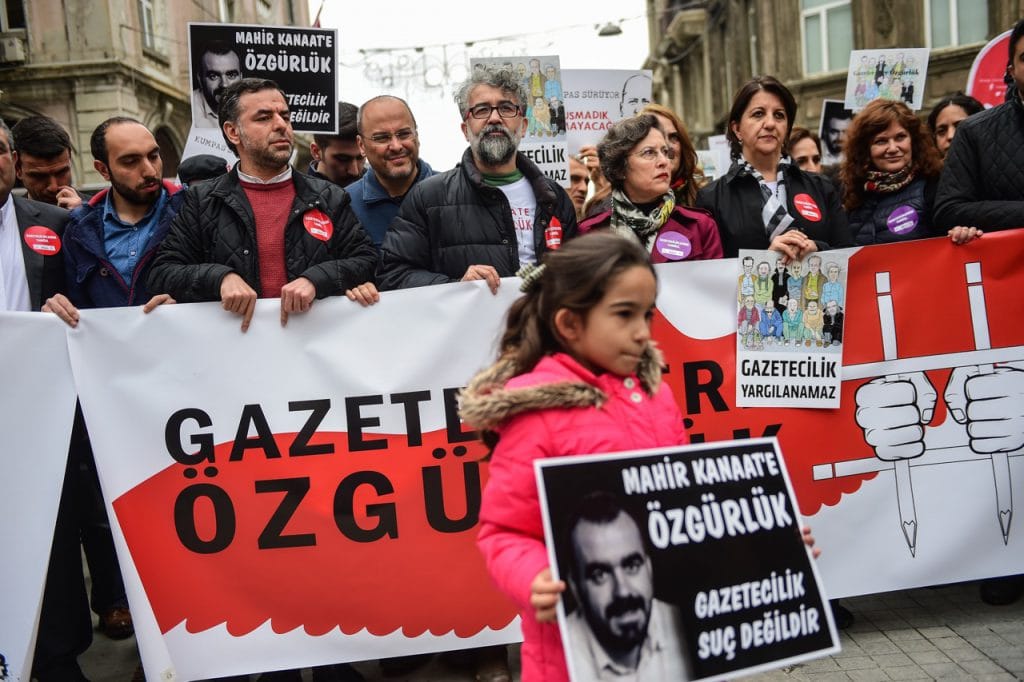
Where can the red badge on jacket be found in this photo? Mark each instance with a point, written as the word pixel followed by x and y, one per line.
pixel 42 240
pixel 318 224
pixel 806 207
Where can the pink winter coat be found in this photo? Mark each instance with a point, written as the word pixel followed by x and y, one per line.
pixel 633 414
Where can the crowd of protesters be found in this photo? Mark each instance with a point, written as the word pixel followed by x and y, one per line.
pixel 370 213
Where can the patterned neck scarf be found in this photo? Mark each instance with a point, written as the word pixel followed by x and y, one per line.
pixel 626 217
pixel 774 215
pixel 887 183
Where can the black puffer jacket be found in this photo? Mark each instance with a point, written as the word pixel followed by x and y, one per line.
pixel 453 220
pixel 895 217
pixel 982 184
pixel 214 234
pixel 735 202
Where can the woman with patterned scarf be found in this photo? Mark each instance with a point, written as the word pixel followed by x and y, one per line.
pixel 636 159
pixel 889 175
pixel 765 201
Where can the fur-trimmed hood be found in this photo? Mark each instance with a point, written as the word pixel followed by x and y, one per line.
pixel 485 404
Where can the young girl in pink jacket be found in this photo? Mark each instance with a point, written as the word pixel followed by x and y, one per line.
pixel 577 373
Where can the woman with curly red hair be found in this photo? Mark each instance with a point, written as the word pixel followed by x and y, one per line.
pixel 889 175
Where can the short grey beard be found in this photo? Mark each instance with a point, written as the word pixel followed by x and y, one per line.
pixel 495 151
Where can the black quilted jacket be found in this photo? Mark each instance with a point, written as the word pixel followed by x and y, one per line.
pixel 453 220
pixel 982 184
pixel 214 234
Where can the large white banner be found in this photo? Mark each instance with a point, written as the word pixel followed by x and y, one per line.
pixel 37 406
pixel 295 496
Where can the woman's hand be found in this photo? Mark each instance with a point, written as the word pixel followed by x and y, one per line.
pixel 793 245
pixel 544 596
pixel 809 541
pixel 961 234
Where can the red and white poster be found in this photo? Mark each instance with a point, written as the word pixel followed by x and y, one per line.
pixel 37 405
pixel 985 81
pixel 296 496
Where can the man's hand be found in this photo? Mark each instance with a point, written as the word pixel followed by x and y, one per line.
pixel 544 596
pixel 893 412
pixel 238 297
pixel 59 305
pixel 991 404
pixel 365 294
pixel 484 272
pixel 158 300
pixel 296 297
pixel 68 199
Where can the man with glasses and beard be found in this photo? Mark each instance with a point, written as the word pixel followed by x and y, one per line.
pixel 488 216
pixel 619 630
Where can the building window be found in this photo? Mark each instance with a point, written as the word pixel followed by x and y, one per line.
pixel 828 35
pixel 12 14
pixel 147 23
pixel 953 22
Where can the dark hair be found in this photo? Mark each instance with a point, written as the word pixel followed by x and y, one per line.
pixel 98 141
pixel 216 46
pixel 689 167
pixel 230 99
pixel 618 143
pixel 742 100
pixel 1015 35
pixel 800 133
pixel 575 277
pixel 502 79
pixel 873 119
pixel 347 128
pixel 598 507
pixel 965 102
pixel 40 136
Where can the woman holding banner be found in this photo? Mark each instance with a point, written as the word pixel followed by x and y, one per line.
pixel 765 201
pixel 637 160
pixel 889 174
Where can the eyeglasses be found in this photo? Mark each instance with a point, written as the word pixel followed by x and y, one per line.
pixel 651 153
pixel 385 138
pixel 505 110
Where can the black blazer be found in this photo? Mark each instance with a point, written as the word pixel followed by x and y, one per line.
pixel 45 273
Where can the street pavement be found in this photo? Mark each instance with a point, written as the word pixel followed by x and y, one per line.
pixel 924 634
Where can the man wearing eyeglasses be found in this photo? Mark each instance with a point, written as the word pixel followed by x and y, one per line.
pixel 337 158
pixel 488 216
pixel 388 139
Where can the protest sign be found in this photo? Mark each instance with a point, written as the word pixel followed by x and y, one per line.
pixel 691 557
pixel 985 81
pixel 789 326
pixel 36 410
pixel 835 119
pixel 597 98
pixel 897 74
pixel 544 120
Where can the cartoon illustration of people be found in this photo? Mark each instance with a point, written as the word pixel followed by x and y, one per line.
pixel 780 291
pixel 746 280
pixel 770 326
pixel 553 86
pixel 814 281
pixel 747 322
pixel 795 281
pixel 832 290
pixel 763 285
pixel 813 324
pixel 539 118
pixel 535 80
pixel 832 324
pixel 793 323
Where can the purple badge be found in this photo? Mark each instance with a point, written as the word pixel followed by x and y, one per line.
pixel 902 220
pixel 673 245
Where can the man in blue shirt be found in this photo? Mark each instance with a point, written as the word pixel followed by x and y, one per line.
pixel 388 139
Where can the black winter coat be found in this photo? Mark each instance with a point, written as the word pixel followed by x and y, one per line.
pixel 453 220
pixel 895 217
pixel 214 234
pixel 982 183
pixel 735 202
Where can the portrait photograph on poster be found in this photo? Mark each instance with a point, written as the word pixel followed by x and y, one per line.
pixel 682 563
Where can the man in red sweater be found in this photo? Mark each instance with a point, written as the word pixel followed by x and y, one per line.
pixel 261 230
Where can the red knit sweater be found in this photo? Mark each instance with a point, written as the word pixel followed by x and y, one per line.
pixel 270 207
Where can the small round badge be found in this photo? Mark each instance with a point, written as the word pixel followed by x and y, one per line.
pixel 902 220
pixel 42 240
pixel 806 206
pixel 673 245
pixel 318 224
